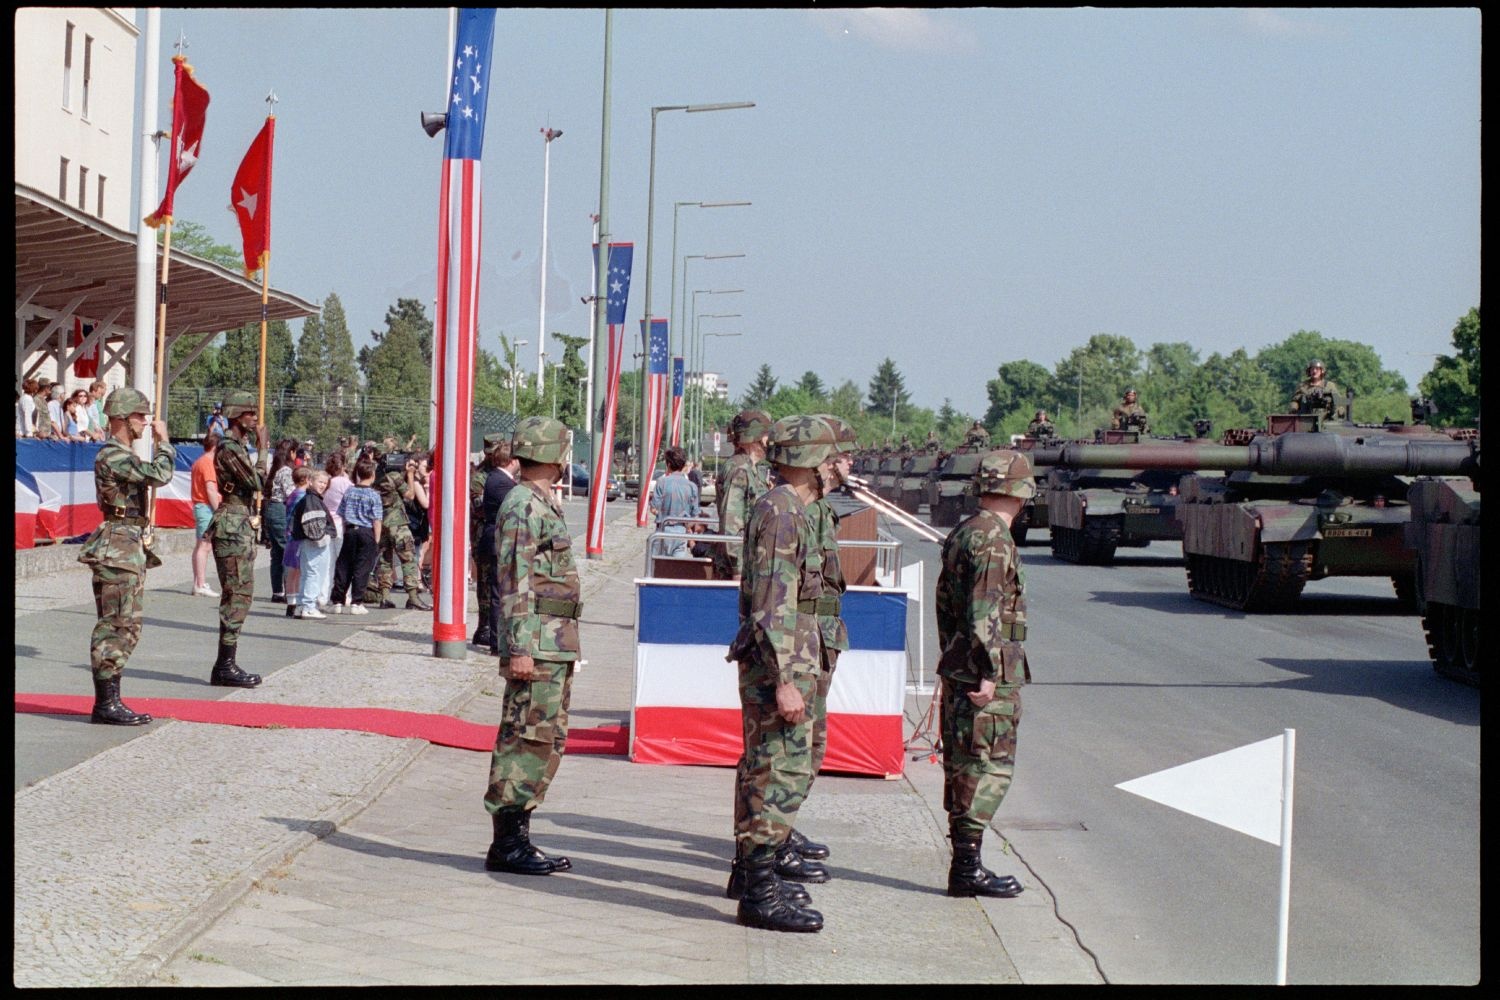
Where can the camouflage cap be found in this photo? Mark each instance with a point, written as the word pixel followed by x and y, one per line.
pixel 1315 363
pixel 237 404
pixel 493 441
pixel 125 401
pixel 749 425
pixel 540 439
pixel 1007 473
pixel 802 442
pixel 843 434
pixel 1130 391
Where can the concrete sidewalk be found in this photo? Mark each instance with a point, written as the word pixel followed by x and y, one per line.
pixel 214 856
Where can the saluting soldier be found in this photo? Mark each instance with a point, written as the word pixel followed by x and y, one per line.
pixel 981 619
pixel 396 541
pixel 744 480
pixel 233 531
pixel 779 650
pixel 1316 394
pixel 118 550
pixel 1129 414
pixel 539 602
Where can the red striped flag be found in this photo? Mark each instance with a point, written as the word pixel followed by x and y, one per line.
pixel 678 378
pixel 618 286
pixel 657 388
pixel 456 328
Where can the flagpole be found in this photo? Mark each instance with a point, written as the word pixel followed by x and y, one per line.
pixel 1288 767
pixel 161 359
pixel 594 537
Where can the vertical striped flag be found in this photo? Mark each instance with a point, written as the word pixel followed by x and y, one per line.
pixel 618 288
pixel 678 377
pixel 189 114
pixel 457 323
pixel 657 387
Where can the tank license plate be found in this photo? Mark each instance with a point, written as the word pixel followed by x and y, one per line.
pixel 1348 532
pixel 1143 510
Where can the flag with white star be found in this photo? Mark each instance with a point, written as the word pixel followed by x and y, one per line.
pixel 656 402
pixel 189 113
pixel 617 290
pixel 617 282
pixel 250 197
pixel 678 381
pixel 468 94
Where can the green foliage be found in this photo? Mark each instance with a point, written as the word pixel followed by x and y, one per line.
pixel 1094 377
pixel 1453 383
pixel 759 394
pixel 1350 365
pixel 310 372
pixel 1021 386
pixel 1236 392
pixel 396 367
pixel 338 346
pixel 812 386
pixel 190 237
pixel 888 395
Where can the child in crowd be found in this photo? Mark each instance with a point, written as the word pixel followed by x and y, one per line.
pixel 290 565
pixel 361 511
pixel 313 529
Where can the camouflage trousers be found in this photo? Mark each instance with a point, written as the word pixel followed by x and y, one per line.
pixel 818 713
pixel 484 585
pixel 395 543
pixel 772 777
pixel 234 558
pixel 533 734
pixel 119 597
pixel 979 753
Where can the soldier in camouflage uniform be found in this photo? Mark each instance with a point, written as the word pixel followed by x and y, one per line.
pixel 981 619
pixel 976 436
pixel 539 602
pixel 396 542
pixel 234 530
pixel 1129 414
pixel 1040 426
pixel 118 551
pixel 1316 394
pixel 744 480
pixel 482 635
pixel 779 649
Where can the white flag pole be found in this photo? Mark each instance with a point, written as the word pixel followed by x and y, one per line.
pixel 1288 766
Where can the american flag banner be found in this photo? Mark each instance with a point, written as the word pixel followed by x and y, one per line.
pixel 618 287
pixel 457 321
pixel 678 379
pixel 657 388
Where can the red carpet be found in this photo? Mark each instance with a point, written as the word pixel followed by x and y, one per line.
pixel 443 730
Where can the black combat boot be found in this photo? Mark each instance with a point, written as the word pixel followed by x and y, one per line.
pixel 227 673
pixel 418 600
pixel 807 848
pixel 108 710
pixel 511 851
pixel 483 636
pixel 967 875
pixel 795 868
pixel 763 905
pixel 790 891
pixel 560 862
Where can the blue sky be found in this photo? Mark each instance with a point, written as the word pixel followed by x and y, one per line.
pixel 951 189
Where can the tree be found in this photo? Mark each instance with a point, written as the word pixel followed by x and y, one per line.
pixel 1237 392
pixel 338 347
pixel 1165 388
pixel 1019 386
pixel 310 370
pixel 1350 365
pixel 812 386
pixel 888 390
pixel 846 400
pixel 190 237
pixel 396 370
pixel 1453 383
pixel 1093 378
pixel 567 381
pixel 760 391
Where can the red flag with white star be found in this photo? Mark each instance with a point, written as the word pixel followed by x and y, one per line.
pixel 251 198
pixel 189 112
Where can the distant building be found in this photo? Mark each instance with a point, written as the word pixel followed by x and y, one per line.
pixel 711 384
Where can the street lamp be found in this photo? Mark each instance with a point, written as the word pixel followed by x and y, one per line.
pixel 695 256
pixel 514 353
pixel 693 323
pixel 548 134
pixel 677 334
pixel 698 368
pixel 650 219
pixel 699 435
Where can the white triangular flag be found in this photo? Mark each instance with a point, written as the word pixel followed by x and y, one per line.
pixel 1240 789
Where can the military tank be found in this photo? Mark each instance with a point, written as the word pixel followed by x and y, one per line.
pixel 1444 534
pixel 949 496
pixel 886 480
pixel 911 485
pixel 1302 501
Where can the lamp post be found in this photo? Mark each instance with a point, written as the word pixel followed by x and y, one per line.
pixel 693 323
pixel 548 134
pixel 673 317
pixel 696 256
pixel 514 354
pixel 704 352
pixel 650 218
pixel 698 367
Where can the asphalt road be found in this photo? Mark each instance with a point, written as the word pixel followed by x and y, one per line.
pixel 1132 676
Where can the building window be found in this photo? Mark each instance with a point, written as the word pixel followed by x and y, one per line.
pixel 83 188
pixel 68 67
pixel 100 213
pixel 88 60
pixel 62 180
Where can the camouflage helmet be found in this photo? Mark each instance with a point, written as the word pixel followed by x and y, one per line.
pixel 1007 473
pixel 125 401
pixel 843 434
pixel 493 441
pixel 236 404
pixel 541 439
pixel 1130 391
pixel 749 425
pixel 802 442
pixel 1315 363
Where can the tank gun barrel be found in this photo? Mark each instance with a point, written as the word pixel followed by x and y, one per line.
pixel 1284 455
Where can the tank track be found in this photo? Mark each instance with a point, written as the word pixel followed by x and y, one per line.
pixel 1406 593
pixel 1274 580
pixel 1453 641
pixel 1092 545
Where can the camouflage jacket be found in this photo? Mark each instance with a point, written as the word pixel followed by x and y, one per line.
pixel 476 502
pixel 1041 428
pixel 1316 397
pixel 121 483
pixel 1127 413
pixel 743 482
pixel 780 639
pixel 981 604
pixel 43 417
pixel 978 436
pixel 239 478
pixel 394 490
pixel 539 590
pixel 826 526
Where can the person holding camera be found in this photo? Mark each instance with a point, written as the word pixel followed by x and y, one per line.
pixel 395 486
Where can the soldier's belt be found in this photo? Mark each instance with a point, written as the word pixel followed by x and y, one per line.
pixel 230 500
pixel 821 606
pixel 1014 631
pixel 139 520
pixel 558 607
